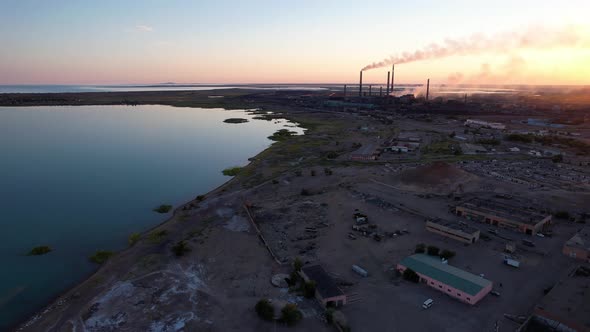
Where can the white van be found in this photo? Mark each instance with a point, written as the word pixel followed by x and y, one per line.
pixel 427 304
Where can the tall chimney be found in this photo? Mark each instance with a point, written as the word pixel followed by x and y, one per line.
pixel 370 87
pixel 344 91
pixel 380 91
pixel 361 85
pixel 387 89
pixel 427 88
pixel 392 76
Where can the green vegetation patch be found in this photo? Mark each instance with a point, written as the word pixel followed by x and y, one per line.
pixel 282 135
pixel 232 171
pixel 101 256
pixel 40 250
pixel 235 120
pixel 157 236
pixel 133 238
pixel 164 208
pixel 265 310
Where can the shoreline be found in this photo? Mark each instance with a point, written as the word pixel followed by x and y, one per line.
pixel 55 301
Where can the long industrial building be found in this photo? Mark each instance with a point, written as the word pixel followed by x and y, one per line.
pixel 454 230
pixel 459 284
pixel 504 215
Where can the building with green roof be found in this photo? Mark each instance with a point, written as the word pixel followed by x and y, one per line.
pixel 462 285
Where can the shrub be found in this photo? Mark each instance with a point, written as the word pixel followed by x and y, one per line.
pixel 290 315
pixel 420 248
pixel 330 316
pixel 453 134
pixel 305 192
pixel 557 158
pixel 411 275
pixel 164 208
pixel 180 248
pixel 327 171
pixel 525 138
pixel 309 289
pixel 200 198
pixel 133 238
pixel 312 173
pixel 297 264
pixel 101 256
pixel 265 310
pixel 281 135
pixel 447 254
pixel 332 155
pixel 232 171
pixel 157 236
pixel 433 251
pixel 40 250
pixel 562 215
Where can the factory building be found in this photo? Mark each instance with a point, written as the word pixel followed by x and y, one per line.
pixel 459 284
pixel 579 245
pixel 504 215
pixel 455 230
pixel 365 152
pixel 326 290
pixel 566 306
pixel 484 124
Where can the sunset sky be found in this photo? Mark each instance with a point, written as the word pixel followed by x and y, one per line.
pixel 305 41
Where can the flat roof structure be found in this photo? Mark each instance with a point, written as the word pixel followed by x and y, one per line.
pixel 579 245
pixel 504 210
pixel 449 275
pixel 326 288
pixel 460 231
pixel 568 302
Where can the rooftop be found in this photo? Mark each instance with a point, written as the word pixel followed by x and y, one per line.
pixel 458 226
pixel 504 210
pixel 449 275
pixel 569 299
pixel 325 285
pixel 366 149
pixel 581 239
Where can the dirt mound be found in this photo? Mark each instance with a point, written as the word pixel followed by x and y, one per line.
pixel 438 177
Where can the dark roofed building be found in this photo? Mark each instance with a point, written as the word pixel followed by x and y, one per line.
pixel 327 292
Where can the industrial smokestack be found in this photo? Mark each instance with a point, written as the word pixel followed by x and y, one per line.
pixel 387 89
pixel 380 91
pixel 392 76
pixel 370 87
pixel 345 91
pixel 427 88
pixel 361 85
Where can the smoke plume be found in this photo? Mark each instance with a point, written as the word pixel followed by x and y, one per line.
pixel 530 38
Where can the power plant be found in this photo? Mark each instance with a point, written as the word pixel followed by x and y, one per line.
pixel 389 89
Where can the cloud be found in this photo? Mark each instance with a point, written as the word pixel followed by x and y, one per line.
pixel 144 28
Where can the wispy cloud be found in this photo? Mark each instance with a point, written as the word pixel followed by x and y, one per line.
pixel 144 28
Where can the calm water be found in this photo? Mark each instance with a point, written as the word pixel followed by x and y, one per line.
pixel 80 179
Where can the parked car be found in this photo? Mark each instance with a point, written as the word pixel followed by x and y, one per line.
pixel 540 235
pixel 427 304
pixel 495 293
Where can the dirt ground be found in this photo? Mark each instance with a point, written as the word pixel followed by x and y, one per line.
pixel 303 201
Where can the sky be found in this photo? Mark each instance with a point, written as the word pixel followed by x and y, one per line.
pixel 273 41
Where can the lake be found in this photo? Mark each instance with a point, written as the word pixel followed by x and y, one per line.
pixel 83 178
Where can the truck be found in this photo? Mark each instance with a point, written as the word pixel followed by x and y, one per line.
pixel 511 262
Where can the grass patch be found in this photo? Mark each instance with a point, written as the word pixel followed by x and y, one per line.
pixel 133 238
pixel 164 208
pixel 180 248
pixel 157 236
pixel 232 171
pixel 40 250
pixel 101 256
